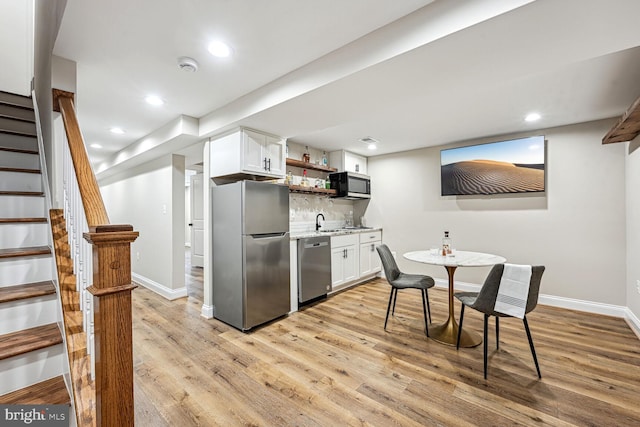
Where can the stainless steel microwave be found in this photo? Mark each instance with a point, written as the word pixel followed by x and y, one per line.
pixel 350 185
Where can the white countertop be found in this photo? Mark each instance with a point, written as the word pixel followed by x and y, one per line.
pixel 336 232
pixel 459 259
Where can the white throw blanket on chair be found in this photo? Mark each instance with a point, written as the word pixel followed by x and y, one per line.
pixel 514 290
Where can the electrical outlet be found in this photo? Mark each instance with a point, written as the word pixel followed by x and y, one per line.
pixel 137 256
pixel 638 285
pixel 164 209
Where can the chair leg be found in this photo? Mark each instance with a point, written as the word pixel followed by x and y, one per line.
pixel 460 327
pixel 426 292
pixel 424 311
pixel 533 350
pixel 388 308
pixel 497 332
pixel 486 344
pixel 395 298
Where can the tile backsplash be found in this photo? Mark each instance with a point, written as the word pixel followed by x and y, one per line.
pixel 304 208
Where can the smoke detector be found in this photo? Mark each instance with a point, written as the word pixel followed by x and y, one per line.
pixel 368 140
pixel 188 64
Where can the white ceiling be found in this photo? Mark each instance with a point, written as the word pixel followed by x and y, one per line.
pixel 410 73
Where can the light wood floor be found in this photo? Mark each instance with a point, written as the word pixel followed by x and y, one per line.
pixel 333 365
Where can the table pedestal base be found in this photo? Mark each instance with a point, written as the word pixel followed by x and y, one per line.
pixel 447 333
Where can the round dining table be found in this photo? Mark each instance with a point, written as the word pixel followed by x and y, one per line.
pixel 447 333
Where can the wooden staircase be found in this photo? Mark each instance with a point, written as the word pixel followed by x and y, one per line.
pixel 32 359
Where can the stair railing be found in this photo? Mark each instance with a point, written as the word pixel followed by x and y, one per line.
pixel 102 264
pixel 80 249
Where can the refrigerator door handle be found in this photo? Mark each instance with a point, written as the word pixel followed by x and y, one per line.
pixel 269 235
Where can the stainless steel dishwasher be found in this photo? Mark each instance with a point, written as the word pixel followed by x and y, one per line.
pixel 314 268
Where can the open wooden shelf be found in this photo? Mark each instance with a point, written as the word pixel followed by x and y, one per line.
pixel 311 190
pixel 627 128
pixel 311 166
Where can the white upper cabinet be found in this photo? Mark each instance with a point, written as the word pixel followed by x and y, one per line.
pixel 345 161
pixel 247 152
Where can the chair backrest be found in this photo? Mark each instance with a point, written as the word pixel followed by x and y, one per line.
pixel 391 270
pixel 487 297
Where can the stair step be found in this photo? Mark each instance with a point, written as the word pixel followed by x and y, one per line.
pixel 14 159
pixel 26 270
pixel 17 127
pixel 22 220
pixel 21 342
pixel 50 392
pixel 21 252
pixel 17 113
pixel 18 150
pixel 22 205
pixel 22 193
pixel 21 234
pixel 19 142
pixel 19 179
pixel 27 290
pixel 21 170
pixel 8 98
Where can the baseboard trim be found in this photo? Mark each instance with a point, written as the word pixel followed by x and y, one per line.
pixel 632 321
pixel 168 293
pixel 582 305
pixel 555 301
pixel 207 311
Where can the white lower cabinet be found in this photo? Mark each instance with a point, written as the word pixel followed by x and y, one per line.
pixel 344 259
pixel 369 259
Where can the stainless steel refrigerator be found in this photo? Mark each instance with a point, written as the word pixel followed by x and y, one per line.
pixel 251 282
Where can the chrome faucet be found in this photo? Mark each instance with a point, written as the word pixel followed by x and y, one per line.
pixel 317 221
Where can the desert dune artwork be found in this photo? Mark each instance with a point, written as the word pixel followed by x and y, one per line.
pixel 513 166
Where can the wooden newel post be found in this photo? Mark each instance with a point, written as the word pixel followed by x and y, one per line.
pixel 113 335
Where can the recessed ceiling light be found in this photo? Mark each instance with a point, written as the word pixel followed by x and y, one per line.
pixel 372 146
pixel 154 100
pixel 96 146
pixel 219 49
pixel 532 117
pixel 117 131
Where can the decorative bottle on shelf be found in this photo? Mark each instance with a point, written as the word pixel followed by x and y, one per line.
pixel 305 156
pixel 324 159
pixel 305 180
pixel 289 178
pixel 446 244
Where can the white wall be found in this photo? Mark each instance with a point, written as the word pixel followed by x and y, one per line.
pixel 63 77
pixel 576 229
pixel 633 225
pixel 151 198
pixel 47 18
